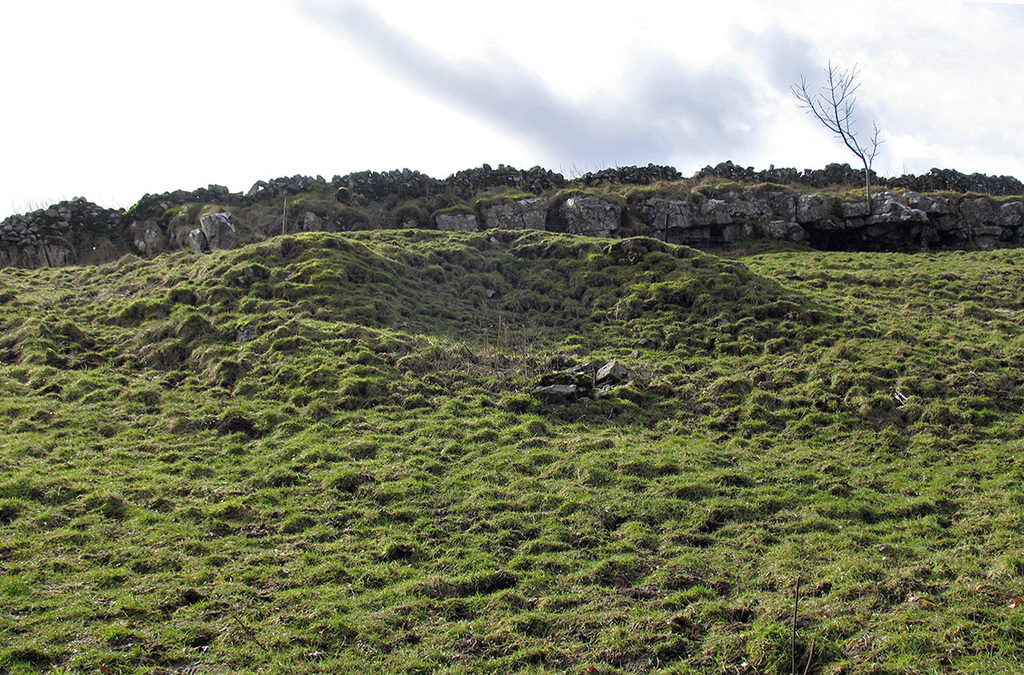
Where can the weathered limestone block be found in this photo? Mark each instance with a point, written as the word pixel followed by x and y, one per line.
pixel 780 204
pixel 198 241
pixel 680 222
pixel 753 209
pixel 611 373
pixel 219 230
pixel 312 222
pixel 980 222
pixel 713 212
pixel 761 204
pixel 457 222
pixel 556 393
pixel 665 216
pixel 1011 215
pixel 739 232
pixel 591 216
pixel 529 213
pixel 812 208
pixel 887 209
pixel 851 210
pixel 150 238
pixel 785 230
pixel 979 211
pixel 930 204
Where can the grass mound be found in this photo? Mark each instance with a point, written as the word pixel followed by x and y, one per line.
pixel 321 453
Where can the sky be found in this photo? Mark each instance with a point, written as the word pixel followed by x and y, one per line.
pixel 113 99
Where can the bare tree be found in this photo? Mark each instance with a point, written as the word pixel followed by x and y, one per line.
pixel 834 107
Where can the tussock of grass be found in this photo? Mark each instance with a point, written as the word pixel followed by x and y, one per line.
pixel 320 453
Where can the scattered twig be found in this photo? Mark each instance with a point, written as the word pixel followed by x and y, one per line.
pixel 810 658
pixel 250 633
pixel 792 643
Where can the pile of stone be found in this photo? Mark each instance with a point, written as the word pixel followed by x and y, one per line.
pixel 582 382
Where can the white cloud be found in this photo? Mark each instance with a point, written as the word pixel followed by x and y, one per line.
pixel 111 99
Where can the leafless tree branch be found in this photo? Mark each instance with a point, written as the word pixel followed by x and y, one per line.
pixel 834 108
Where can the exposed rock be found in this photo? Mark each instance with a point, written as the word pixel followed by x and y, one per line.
pixel 219 191
pixel 197 240
pixel 565 386
pixel 279 187
pixel 556 393
pixel 612 372
pixel 257 188
pixel 457 222
pixel 1011 215
pixel 980 211
pixel 780 202
pixel 849 210
pixel 150 237
pixel 713 212
pixel 78 232
pixel 930 204
pixel 666 217
pixel 580 376
pixel 747 206
pixel 590 215
pixel 890 224
pixel 884 209
pixel 219 230
pixel 812 208
pixel 680 222
pixel 312 222
pixel 609 390
pixel 529 213
pixel 786 231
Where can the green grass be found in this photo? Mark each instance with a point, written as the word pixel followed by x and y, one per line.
pixel 319 454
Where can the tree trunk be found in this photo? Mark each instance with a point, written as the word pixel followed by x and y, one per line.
pixel 867 184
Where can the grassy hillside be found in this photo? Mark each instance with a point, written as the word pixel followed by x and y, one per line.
pixel 320 453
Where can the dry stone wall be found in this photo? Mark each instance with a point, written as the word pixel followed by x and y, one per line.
pixel 75 232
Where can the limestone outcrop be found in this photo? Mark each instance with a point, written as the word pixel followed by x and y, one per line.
pixel 900 217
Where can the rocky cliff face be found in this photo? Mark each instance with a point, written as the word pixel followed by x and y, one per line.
pixel 78 232
pixel 907 222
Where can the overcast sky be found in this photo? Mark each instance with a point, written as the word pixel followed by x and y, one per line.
pixel 111 99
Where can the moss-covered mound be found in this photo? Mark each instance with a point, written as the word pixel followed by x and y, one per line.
pixel 321 453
